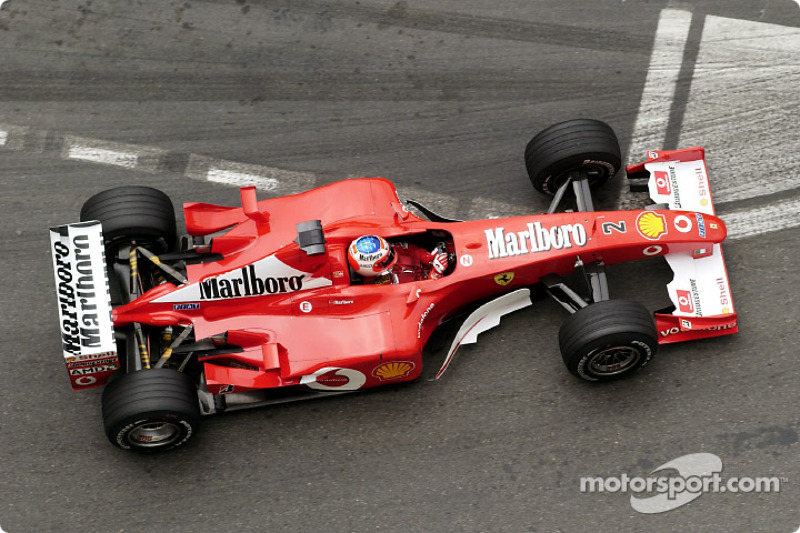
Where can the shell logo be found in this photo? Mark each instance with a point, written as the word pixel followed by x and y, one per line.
pixel 651 225
pixel 393 370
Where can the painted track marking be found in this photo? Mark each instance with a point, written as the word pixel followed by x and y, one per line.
pixel 103 156
pixel 130 156
pixel 275 181
pixel 650 128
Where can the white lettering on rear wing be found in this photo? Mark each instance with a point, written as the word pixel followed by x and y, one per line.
pixel 84 303
pixel 700 287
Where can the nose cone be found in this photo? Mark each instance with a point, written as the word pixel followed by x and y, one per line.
pixel 715 228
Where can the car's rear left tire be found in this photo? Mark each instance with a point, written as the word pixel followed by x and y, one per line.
pixel 133 213
pixel 151 410
pixel 608 340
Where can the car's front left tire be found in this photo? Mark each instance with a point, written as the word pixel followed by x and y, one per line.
pixel 586 145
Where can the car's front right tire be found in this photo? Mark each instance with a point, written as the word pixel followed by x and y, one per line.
pixel 608 340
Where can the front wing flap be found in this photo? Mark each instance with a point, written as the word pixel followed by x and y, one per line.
pixel 700 290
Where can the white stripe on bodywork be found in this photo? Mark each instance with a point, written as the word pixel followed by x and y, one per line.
pixel 485 318
pixel 269 267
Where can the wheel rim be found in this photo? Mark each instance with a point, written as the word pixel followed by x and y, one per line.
pixel 153 434
pixel 613 361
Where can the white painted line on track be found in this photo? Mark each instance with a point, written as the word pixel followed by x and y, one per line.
pixel 275 181
pixel 129 156
pixel 780 215
pixel 102 155
pixel 241 179
pixel 666 59
pixel 12 137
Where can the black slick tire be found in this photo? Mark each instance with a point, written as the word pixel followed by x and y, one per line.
pixel 579 144
pixel 608 340
pixel 151 410
pixel 133 212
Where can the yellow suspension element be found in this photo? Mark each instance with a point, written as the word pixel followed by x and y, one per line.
pixel 133 262
pixel 166 268
pixel 166 337
pixel 165 357
pixel 143 353
pixel 177 342
pixel 166 340
pixel 134 267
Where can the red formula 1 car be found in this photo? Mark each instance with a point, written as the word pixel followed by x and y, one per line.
pixel 268 302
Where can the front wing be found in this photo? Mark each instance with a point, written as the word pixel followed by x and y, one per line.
pixel 700 290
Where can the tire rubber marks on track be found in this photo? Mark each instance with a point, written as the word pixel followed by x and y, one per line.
pixel 758 60
pixel 744 98
pixel 776 45
pixel 775 216
pixel 151 160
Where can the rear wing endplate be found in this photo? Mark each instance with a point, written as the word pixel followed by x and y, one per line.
pixel 700 290
pixel 84 303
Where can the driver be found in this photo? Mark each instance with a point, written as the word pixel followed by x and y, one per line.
pixel 379 261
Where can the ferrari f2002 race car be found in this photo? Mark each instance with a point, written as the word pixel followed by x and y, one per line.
pixel 268 301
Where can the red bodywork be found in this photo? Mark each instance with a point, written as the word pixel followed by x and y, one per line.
pixel 338 335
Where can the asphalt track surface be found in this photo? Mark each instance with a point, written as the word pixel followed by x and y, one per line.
pixel 441 97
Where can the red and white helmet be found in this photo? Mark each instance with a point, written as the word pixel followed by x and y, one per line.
pixel 371 255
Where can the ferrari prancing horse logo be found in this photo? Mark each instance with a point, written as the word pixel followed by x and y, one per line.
pixel 504 279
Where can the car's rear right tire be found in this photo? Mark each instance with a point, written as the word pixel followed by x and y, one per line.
pixel 151 410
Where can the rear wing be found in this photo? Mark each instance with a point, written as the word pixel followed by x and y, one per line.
pixel 700 291
pixel 84 303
